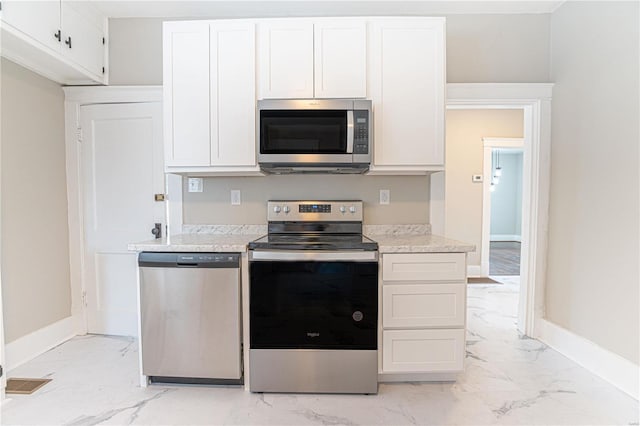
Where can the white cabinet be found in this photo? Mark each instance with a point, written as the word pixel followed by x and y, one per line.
pixel 321 58
pixel 209 97
pixel 423 314
pixel 407 87
pixel 61 40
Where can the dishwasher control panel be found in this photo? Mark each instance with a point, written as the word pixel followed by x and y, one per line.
pixel 193 260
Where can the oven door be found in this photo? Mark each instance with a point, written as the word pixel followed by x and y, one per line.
pixel 313 300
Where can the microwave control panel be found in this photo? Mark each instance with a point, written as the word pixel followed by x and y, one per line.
pixel 361 132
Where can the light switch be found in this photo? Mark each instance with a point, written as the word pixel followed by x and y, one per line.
pixel 235 197
pixel 195 184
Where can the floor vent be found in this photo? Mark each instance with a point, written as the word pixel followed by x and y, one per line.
pixel 25 386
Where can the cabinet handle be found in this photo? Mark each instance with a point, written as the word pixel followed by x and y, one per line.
pixel 58 36
pixel 68 42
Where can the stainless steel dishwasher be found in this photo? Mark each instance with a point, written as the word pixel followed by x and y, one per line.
pixel 190 317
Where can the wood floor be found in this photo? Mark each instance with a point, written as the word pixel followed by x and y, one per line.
pixel 504 258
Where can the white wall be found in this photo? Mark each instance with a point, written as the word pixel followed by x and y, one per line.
pixel 464 158
pixel 480 48
pixel 506 200
pixel 409 197
pixel 35 242
pixel 592 278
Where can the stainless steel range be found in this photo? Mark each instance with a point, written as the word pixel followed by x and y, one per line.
pixel 314 300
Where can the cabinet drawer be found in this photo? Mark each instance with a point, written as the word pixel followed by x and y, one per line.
pixel 418 351
pixel 424 267
pixel 423 305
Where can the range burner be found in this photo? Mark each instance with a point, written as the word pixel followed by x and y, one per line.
pixel 314 225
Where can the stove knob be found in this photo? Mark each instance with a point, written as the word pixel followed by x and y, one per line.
pixel 352 209
pixel 286 209
pixel 343 209
pixel 276 209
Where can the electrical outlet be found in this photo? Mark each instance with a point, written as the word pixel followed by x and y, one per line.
pixel 235 197
pixel 195 184
pixel 385 196
pixel 476 178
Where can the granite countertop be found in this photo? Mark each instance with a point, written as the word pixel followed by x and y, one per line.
pixel 425 243
pixel 236 243
pixel 234 238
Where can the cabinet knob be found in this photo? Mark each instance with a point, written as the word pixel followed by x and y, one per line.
pixel 58 36
pixel 68 42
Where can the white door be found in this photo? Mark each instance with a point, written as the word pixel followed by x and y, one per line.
pixel 122 169
pixel 38 19
pixel 82 41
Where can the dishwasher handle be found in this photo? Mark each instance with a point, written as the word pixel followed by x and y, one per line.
pixel 188 260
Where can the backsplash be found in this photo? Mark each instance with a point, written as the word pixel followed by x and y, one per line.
pixel 409 197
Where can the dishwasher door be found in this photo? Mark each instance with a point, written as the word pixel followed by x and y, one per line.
pixel 190 317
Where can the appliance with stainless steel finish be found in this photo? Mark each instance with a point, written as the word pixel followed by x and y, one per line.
pixel 190 317
pixel 314 135
pixel 313 301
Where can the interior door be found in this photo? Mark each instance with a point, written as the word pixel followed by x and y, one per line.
pixel 122 169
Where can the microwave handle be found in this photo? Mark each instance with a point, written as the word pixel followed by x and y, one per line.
pixel 350 131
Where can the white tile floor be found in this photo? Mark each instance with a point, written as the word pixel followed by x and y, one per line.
pixel 507 380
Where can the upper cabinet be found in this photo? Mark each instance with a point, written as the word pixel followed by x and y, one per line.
pixel 61 40
pixel 320 58
pixel 407 87
pixel 209 97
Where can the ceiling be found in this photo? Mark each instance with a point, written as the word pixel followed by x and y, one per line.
pixel 268 8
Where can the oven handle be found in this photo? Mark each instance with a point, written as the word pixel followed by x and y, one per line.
pixel 303 255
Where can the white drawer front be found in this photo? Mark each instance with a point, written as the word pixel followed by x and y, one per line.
pixel 424 267
pixel 418 351
pixel 423 305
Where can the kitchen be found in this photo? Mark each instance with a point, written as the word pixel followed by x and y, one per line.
pixel 532 67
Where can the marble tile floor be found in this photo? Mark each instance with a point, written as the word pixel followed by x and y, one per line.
pixel 508 380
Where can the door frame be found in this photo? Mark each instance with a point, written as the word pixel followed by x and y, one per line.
pixel 75 98
pixel 535 100
pixel 489 145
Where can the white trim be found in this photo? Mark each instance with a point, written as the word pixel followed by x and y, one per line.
pixel 535 100
pixel 613 368
pixel 505 237
pixel 475 271
pixel 30 346
pixel 75 97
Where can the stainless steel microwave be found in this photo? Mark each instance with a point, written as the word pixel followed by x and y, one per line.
pixel 314 136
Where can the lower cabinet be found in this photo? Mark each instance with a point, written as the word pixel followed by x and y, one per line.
pixel 423 314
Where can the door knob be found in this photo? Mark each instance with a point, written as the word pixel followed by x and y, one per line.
pixel 157 230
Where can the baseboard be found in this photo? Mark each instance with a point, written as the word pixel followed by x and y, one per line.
pixel 30 346
pixel 474 271
pixel 613 368
pixel 505 237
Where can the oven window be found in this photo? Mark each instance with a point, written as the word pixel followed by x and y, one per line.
pixel 303 132
pixel 313 305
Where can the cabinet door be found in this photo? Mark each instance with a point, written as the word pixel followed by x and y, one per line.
pixel 422 351
pixel 186 93
pixel 38 19
pixel 233 97
pixel 286 59
pixel 423 305
pixel 82 40
pixel 407 84
pixel 340 53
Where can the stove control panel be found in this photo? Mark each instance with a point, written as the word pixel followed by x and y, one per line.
pixel 313 211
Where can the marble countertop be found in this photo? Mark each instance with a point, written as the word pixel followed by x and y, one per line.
pixel 236 243
pixel 425 243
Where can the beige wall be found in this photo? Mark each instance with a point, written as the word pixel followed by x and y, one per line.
pixel 464 158
pixel 593 258
pixel 34 203
pixel 409 197
pixel 480 48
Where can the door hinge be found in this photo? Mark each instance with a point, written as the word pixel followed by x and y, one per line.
pixel 79 134
pixel 84 298
pixel 103 40
pixel 102 70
